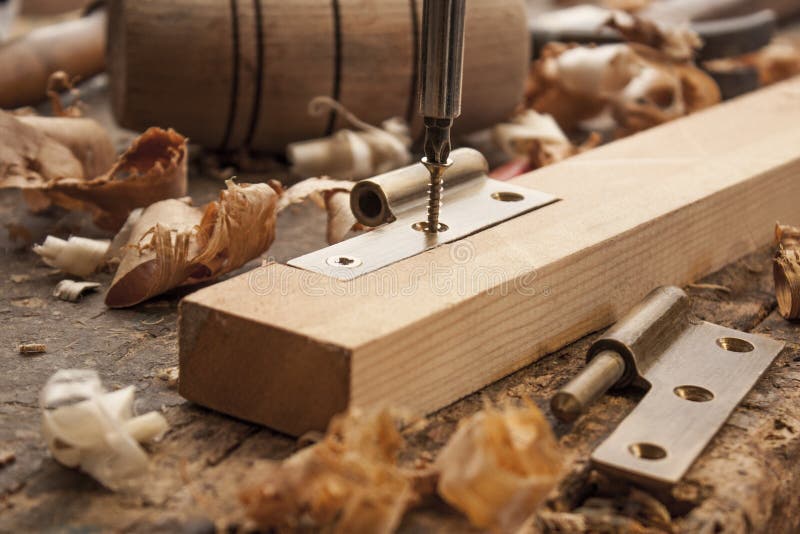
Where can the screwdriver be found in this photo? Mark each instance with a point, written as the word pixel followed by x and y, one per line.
pixel 441 66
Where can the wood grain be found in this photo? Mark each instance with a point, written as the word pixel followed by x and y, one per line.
pixel 153 78
pixel 297 65
pixel 666 206
pixel 198 468
pixel 241 73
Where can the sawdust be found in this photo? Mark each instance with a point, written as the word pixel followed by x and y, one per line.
pixel 28 302
pixel 632 512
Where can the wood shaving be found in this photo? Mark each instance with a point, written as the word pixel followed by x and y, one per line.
pixel 786 270
pixel 351 154
pixel 19 278
pixel 170 375
pixel 94 430
pixel 7 457
pixel 676 41
pixel 172 243
pixel 78 256
pixel 715 287
pixel 73 291
pixel 349 482
pixel 341 220
pixel 631 6
pixel 778 61
pixel 59 82
pixel 499 466
pixel 618 88
pixel 69 162
pixel 634 512
pixel 32 348
pixel 333 196
pixel 537 139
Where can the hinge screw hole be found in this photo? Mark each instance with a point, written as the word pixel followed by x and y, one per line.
pixel 734 344
pixel 693 393
pixel 647 451
pixel 507 196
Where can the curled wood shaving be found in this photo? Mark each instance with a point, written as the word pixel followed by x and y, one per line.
pixel 172 243
pixel 333 196
pixel 59 82
pixel 94 430
pixel 775 62
pixel 351 154
pixel 676 41
pixel 714 287
pixel 622 88
pixel 499 466
pixel 537 139
pixel 72 291
pixel 69 162
pixel 78 256
pixel 341 220
pixel 786 271
pixel 347 483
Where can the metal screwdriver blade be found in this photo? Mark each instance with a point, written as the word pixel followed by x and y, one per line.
pixel 441 66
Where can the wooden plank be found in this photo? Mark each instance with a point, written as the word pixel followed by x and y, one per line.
pixel 665 206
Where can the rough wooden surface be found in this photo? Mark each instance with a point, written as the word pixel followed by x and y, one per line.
pixel 745 481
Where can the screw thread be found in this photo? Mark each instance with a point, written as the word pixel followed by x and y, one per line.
pixel 434 201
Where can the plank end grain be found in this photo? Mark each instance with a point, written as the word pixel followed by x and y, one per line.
pixel 229 362
pixel 665 206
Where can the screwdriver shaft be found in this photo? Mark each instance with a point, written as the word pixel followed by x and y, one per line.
pixel 441 66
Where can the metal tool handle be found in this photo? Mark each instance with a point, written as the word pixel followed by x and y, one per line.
pixel 442 58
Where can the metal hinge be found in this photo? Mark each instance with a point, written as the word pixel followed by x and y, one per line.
pixel 396 202
pixel 695 374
